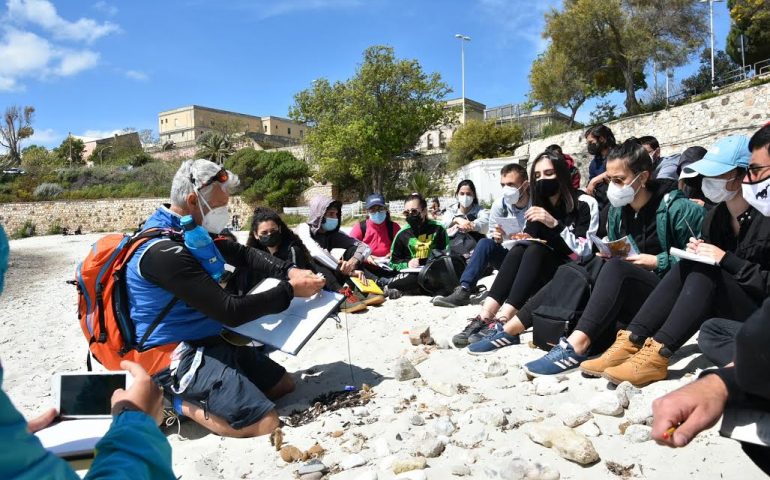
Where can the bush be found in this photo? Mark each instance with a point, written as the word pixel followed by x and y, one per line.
pixel 54 229
pixel 26 230
pixel 271 178
pixel 292 220
pixel 47 191
pixel 555 128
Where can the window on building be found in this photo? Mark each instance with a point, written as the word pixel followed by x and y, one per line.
pixel 429 141
pixel 289 130
pixel 176 122
pixel 265 127
pixel 441 139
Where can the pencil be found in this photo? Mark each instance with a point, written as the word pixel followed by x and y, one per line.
pixel 669 433
pixel 690 229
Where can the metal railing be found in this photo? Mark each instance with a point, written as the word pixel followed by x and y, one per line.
pixel 727 79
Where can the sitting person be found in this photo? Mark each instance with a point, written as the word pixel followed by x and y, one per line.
pixel 574 173
pixel 378 230
pixel 172 300
pixel 735 238
pixel 664 168
pixel 435 211
pixel 412 247
pixel 689 180
pixel 599 141
pixel 558 222
pixel 132 447
pixel 489 251
pixel 655 219
pixel 466 216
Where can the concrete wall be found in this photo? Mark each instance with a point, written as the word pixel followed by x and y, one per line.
pixel 93 215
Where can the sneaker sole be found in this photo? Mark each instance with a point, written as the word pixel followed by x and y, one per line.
pixel 617 381
pixel 535 375
pixel 489 352
pixel 379 300
pixel 354 309
pixel 441 303
pixel 460 344
pixel 591 373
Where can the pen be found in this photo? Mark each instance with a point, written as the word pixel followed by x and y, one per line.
pixel 691 230
pixel 669 433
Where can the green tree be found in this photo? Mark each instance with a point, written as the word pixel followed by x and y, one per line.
pixel 215 147
pixel 360 127
pixel 15 127
pixel 476 140
pixel 752 19
pixel 603 112
pixel 700 81
pixel 70 151
pixel 425 184
pixel 272 178
pixel 556 83
pixel 613 40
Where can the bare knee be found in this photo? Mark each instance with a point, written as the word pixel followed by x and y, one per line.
pixel 264 426
pixel 221 427
pixel 284 386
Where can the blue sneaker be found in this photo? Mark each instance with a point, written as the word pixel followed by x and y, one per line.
pixel 493 342
pixel 562 358
pixel 490 330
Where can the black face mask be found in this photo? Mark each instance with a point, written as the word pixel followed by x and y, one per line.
pixel 546 187
pixel 595 148
pixel 270 240
pixel 414 221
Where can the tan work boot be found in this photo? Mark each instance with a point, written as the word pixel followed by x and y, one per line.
pixel 648 365
pixel 619 352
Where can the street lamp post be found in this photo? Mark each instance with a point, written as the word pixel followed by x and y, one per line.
pixel 463 39
pixel 711 35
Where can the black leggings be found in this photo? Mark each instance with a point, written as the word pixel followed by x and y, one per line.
pixel 688 295
pixel 406 283
pixel 526 268
pixel 620 289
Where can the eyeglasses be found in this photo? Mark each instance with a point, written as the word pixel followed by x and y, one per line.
pixel 221 176
pixel 411 212
pixel 753 172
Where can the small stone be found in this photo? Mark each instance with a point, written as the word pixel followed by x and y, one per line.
pixel 336 434
pixel 470 436
pixel 606 403
pixel 443 342
pixel 352 461
pixel 361 412
pixel 626 391
pixel 564 441
pixel 316 451
pixel 446 389
pixel 495 369
pixel 444 426
pixel 638 433
pixel 639 411
pixel 589 429
pixel 368 475
pixel 491 416
pixel 413 475
pixel 404 370
pixel 312 466
pixel 507 411
pixel 290 454
pixel 409 464
pixel 461 470
pixel 311 476
pixel 432 448
pixel 417 420
pixel 573 414
pixel 382 448
pixel 477 398
pixel 549 386
pixel 420 336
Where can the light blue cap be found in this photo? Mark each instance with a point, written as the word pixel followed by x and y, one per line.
pixel 726 154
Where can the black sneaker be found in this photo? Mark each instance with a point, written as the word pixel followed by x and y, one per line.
pixel 474 325
pixel 458 298
pixel 490 329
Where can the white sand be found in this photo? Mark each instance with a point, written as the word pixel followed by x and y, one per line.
pixel 40 335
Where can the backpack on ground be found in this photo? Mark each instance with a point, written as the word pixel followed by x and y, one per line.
pixel 441 274
pixel 103 308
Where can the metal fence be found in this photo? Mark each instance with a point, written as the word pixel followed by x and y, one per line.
pixel 727 79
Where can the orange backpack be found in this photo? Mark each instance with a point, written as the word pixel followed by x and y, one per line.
pixel 103 304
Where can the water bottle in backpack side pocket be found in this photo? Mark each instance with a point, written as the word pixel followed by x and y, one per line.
pixel 199 243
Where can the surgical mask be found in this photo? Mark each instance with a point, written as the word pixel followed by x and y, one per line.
pixel 378 217
pixel 464 200
pixel 757 195
pixel 216 219
pixel 330 224
pixel 621 196
pixel 511 195
pixel 271 239
pixel 546 187
pixel 715 189
pixel 414 221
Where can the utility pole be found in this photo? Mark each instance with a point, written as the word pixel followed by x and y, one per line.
pixel 463 39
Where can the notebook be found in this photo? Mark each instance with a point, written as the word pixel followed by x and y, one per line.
pixel 510 225
pixel 369 287
pixel 289 331
pixel 621 248
pixel 74 438
pixel 685 255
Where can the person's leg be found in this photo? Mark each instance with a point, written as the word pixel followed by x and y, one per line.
pixel 405 283
pixel 503 281
pixel 481 257
pixel 758 454
pixel 538 265
pixel 716 339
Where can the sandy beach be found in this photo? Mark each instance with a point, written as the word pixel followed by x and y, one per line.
pixel 475 416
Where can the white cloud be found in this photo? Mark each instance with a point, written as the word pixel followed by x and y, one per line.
pixel 520 19
pixel 47 137
pixel 106 8
pixel 43 14
pixel 137 75
pixel 97 134
pixel 73 62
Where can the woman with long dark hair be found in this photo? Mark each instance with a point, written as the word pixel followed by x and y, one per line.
pixel 558 224
pixel 467 215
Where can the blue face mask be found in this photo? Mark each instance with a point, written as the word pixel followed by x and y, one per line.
pixel 330 224
pixel 378 217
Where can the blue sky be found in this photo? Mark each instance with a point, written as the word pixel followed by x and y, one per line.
pixel 94 67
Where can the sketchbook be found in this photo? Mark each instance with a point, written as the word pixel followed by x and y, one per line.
pixel 74 438
pixel 510 225
pixel 685 255
pixel 621 248
pixel 289 331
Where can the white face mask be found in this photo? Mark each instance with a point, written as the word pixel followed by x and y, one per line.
pixel 216 220
pixel 511 195
pixel 621 196
pixel 715 189
pixel 757 196
pixel 464 200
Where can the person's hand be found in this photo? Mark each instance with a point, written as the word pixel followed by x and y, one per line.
pixel 463 224
pixel 143 395
pixel 296 273
pixel 691 409
pixel 647 262
pixel 595 182
pixel 498 234
pixel 308 285
pixel 348 266
pixel 41 421
pixel 540 214
pixel 414 263
pixel 692 244
pixel 360 275
pixel 711 251
pixel 698 201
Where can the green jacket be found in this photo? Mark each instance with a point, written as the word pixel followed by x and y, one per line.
pixel 674 214
pixel 409 244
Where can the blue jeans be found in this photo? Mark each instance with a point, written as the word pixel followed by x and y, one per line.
pixel 487 252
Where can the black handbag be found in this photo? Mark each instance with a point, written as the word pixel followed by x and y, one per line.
pixel 441 273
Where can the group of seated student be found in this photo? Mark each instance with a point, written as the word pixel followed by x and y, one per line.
pixel 466 218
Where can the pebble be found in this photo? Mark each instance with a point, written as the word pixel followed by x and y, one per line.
pixel 549 385
pixel 589 429
pixel 352 461
pixel 443 342
pixel 413 475
pixel 444 426
pixel 573 414
pixel 491 416
pixel 382 448
pixel 368 475
pixel 313 466
pixel 361 412
pixel 409 464
pixel 417 420
pixel 461 470
pixel 446 389
pixel 470 436
pixel 626 391
pixel 606 403
pixel 564 441
pixel 404 370
pixel 520 469
pixel 312 476
pixel 638 433
pixel 495 369
pixel 477 398
pixel 639 411
pixel 431 449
